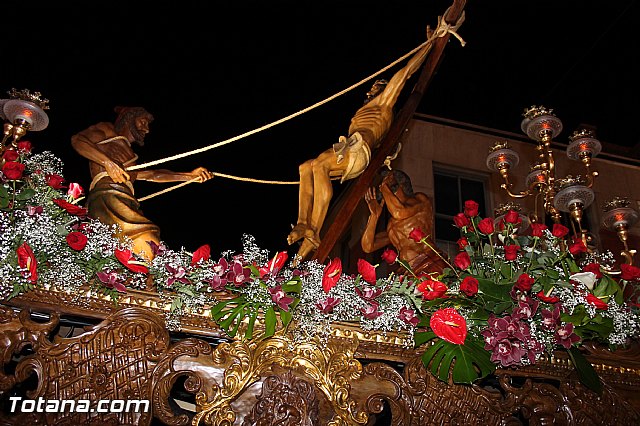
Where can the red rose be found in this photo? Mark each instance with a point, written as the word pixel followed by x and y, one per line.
pixel 595 269
pixel 27 260
pixel 462 243
pixel 512 217
pixel 471 208
pixel 469 286
pixel 10 155
pixel 449 325
pixel 13 170
pixel 595 301
pixel 559 231
pixel 71 208
pixel 524 282
pixel 432 289
pixel 24 146
pixel 389 256
pixel 462 260
pixel 417 234
pixel 126 258
pixel 75 190
pixel 203 253
pixel 511 251
pixel 486 226
pixel 367 270
pixel 54 181
pixel 331 274
pixel 76 240
pixel 577 247
pixel 460 220
pixel 629 272
pixel 537 228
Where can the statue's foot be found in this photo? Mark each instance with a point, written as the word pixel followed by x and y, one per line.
pixel 306 248
pixel 297 233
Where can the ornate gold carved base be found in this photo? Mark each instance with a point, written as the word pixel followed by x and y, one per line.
pixel 130 356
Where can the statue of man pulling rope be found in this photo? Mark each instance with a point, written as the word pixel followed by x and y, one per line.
pixel 111 197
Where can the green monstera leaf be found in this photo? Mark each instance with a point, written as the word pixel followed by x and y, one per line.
pixel 465 363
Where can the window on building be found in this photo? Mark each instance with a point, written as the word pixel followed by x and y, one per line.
pixel 451 189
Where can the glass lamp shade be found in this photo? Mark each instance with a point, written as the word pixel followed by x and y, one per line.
pixel 502 158
pixel 15 110
pixel 543 124
pixel 588 146
pixel 574 194
pixel 534 178
pixel 620 217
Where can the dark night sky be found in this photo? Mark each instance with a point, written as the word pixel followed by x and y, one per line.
pixel 209 71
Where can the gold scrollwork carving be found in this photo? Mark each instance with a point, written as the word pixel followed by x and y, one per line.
pixel 331 368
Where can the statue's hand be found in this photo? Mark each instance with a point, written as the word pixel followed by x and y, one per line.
pixel 115 172
pixel 375 208
pixel 202 173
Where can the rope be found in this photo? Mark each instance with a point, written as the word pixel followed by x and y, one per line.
pixel 443 29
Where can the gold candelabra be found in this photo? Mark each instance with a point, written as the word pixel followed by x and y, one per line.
pixel 569 194
pixel 23 111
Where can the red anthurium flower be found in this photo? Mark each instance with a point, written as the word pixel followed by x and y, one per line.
pixel 559 231
pixel 367 270
pixel 597 302
pixel 274 265
pixel 203 253
pixel 432 289
pixel 13 170
pixel 512 217
pixel 469 286
pixel 486 226
pixel 389 256
pixel 547 297
pixel 524 282
pixel 577 247
pixel 460 220
pixel 511 251
pixel 75 191
pixel 76 240
pixel 449 325
pixel 24 147
pixel 280 298
pixel 629 272
pixel 10 155
pixel 70 208
pixel 54 181
pixel 326 306
pixel 471 208
pixel 537 229
pixel 417 234
pixel 331 274
pixel 126 258
pixel 27 261
pixel 409 316
pixel 462 260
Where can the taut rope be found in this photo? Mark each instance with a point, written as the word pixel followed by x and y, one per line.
pixel 443 29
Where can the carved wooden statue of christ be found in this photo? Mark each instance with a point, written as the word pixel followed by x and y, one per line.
pixel 349 157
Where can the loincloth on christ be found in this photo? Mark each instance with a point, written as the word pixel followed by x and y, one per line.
pixel 355 151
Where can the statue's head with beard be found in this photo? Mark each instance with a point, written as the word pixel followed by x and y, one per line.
pixel 133 119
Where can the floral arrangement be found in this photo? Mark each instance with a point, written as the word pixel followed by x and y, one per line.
pixel 504 301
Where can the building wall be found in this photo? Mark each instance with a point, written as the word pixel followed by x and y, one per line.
pixel 430 142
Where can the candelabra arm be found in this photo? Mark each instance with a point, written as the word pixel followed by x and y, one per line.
pixel 521 194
